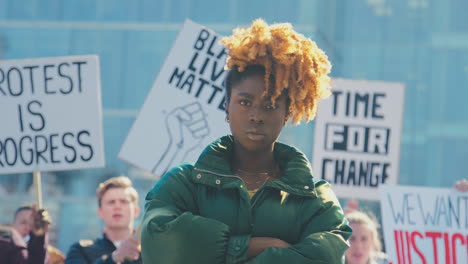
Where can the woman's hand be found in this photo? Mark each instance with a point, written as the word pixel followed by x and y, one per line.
pixel 258 244
pixel 41 221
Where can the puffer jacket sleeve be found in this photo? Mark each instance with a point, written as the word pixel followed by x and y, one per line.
pixel 172 232
pixel 324 236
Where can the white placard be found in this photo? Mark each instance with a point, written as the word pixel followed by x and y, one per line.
pixel 184 110
pixel 51 117
pixel 425 225
pixel 357 137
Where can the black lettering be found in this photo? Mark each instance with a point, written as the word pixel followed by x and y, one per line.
pixel 366 139
pixel 20 118
pixel 47 79
pixel 14 152
pixel 188 82
pixel 38 114
pixel 339 171
pixel 385 172
pixel 335 101
pixel 88 146
pixel 61 74
pixel 339 135
pixel 31 75
pixel 78 65
pixel 23 151
pixel 358 100
pixel 363 172
pixel 20 78
pixel 39 151
pixel 210 52
pixel 221 53
pixel 200 43
pixel 200 88
pixel 178 75
pixel 376 106
pixel 69 146
pixel 191 64
pixel 53 147
pixel 215 75
pixel 324 166
pixel 222 104
pixel 373 175
pixel 216 89
pixel 351 173
pixel 2 79
pixel 1 150
pixel 202 70
pixel 348 98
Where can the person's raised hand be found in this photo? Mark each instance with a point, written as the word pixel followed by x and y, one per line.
pixel 41 221
pixel 128 250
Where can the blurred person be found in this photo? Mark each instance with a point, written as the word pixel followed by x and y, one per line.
pixel 22 221
pixel 365 245
pixel 249 198
pixel 461 185
pixel 23 227
pixel 26 240
pixel 118 208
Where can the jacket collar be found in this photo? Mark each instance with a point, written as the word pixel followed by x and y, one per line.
pixel 213 168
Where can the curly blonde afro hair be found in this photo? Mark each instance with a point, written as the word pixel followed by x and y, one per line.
pixel 295 61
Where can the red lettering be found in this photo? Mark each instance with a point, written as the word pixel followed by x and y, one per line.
pixel 415 247
pixel 447 248
pixel 455 237
pixel 402 247
pixel 408 246
pixel 397 244
pixel 434 236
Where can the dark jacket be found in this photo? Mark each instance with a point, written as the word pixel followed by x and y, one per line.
pixel 93 252
pixel 12 254
pixel 202 213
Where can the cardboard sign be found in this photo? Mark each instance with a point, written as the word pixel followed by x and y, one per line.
pixel 51 117
pixel 425 225
pixel 357 137
pixel 184 110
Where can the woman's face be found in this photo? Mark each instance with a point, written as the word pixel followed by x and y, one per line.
pixel 23 222
pixel 255 123
pixel 361 245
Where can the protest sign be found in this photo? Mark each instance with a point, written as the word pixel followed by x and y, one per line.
pixel 357 137
pixel 184 110
pixel 425 225
pixel 51 117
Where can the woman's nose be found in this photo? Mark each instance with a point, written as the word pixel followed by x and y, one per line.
pixel 256 114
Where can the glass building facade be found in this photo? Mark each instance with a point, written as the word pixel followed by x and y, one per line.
pixel 421 43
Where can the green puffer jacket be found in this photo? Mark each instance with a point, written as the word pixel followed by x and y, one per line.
pixel 203 214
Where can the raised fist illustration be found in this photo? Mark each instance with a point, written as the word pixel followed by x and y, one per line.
pixel 186 127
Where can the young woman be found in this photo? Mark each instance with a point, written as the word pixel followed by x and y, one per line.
pixel 249 198
pixel 365 245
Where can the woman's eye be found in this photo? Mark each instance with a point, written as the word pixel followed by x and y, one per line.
pixel 244 102
pixel 270 107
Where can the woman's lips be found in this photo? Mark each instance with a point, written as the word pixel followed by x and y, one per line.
pixel 255 136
